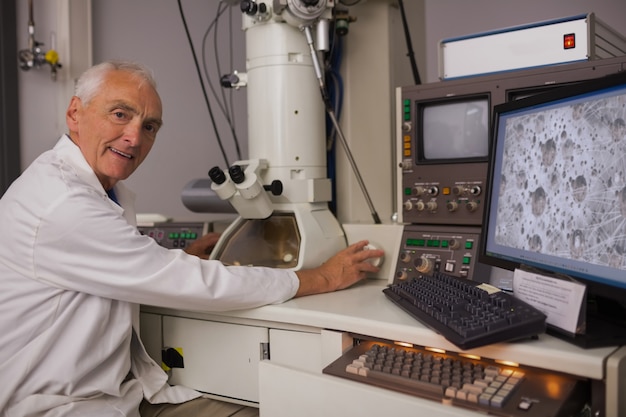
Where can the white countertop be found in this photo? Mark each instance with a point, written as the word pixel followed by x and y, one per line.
pixel 365 310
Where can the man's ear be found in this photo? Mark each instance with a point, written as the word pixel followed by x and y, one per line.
pixel 71 114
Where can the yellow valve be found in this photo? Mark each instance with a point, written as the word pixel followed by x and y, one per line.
pixel 52 57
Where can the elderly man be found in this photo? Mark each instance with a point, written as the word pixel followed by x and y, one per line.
pixel 74 269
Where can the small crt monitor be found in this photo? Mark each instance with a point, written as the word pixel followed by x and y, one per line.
pixel 453 129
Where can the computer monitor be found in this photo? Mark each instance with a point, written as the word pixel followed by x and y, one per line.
pixel 557 194
pixel 454 130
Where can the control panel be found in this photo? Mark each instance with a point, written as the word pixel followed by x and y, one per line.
pixel 175 235
pixel 444 195
pixel 425 249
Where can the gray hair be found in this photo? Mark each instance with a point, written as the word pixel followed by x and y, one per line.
pixel 90 82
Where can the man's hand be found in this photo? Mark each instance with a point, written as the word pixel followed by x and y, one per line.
pixel 203 246
pixel 347 267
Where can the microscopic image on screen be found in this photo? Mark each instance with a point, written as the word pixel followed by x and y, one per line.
pixel 562 188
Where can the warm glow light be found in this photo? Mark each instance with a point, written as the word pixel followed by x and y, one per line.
pixel 405 344
pixel 468 356
pixel 507 363
pixel 553 389
pixel 436 350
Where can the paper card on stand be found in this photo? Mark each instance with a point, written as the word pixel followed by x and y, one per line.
pixel 562 301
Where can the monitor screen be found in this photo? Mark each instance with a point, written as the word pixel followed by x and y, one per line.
pixel 456 129
pixel 558 183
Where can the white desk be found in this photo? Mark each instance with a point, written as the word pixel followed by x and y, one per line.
pixel 306 334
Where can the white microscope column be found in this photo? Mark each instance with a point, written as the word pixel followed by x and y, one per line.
pixel 285 110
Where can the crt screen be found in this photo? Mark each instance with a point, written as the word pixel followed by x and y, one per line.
pixel 455 130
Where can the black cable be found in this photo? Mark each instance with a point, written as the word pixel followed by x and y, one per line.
pixel 219 71
pixel 229 116
pixel 409 45
pixel 204 58
pixel 206 97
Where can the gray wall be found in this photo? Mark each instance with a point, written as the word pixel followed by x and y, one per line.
pixel 151 31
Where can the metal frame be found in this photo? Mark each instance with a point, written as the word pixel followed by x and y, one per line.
pixel 9 109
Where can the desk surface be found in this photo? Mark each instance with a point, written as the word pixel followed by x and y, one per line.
pixel 364 309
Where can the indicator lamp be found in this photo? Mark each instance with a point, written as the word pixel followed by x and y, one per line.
pixel 569 41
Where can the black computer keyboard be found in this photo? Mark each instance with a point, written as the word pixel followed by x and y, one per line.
pixel 467 313
pixel 481 384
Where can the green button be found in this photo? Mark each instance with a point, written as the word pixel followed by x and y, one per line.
pixel 444 243
pixel 415 242
pixel 173 235
pixel 466 260
pixel 469 245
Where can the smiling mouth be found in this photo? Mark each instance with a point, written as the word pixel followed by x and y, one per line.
pixel 125 155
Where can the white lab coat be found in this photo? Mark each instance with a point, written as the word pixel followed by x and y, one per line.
pixel 73 271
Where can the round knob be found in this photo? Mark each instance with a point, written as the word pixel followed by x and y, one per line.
pixel 476 190
pixel 401 276
pixel 406 127
pixel 405 257
pixel 454 244
pixel 276 187
pixel 431 206
pixel 458 190
pixel 248 7
pixel 424 265
pixel 408 205
pixel 433 190
pixel 452 206
pixel 471 206
pixel 419 206
pixel 420 190
pixel 377 262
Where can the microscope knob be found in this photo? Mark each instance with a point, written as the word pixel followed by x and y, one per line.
pixel 248 7
pixel 276 187
pixel 374 261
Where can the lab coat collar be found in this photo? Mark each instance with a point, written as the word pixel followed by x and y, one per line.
pixel 72 155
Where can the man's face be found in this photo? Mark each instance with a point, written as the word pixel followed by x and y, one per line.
pixel 117 128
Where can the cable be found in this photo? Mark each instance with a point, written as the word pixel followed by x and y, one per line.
pixel 334 86
pixel 331 113
pixel 224 104
pixel 206 97
pixel 409 45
